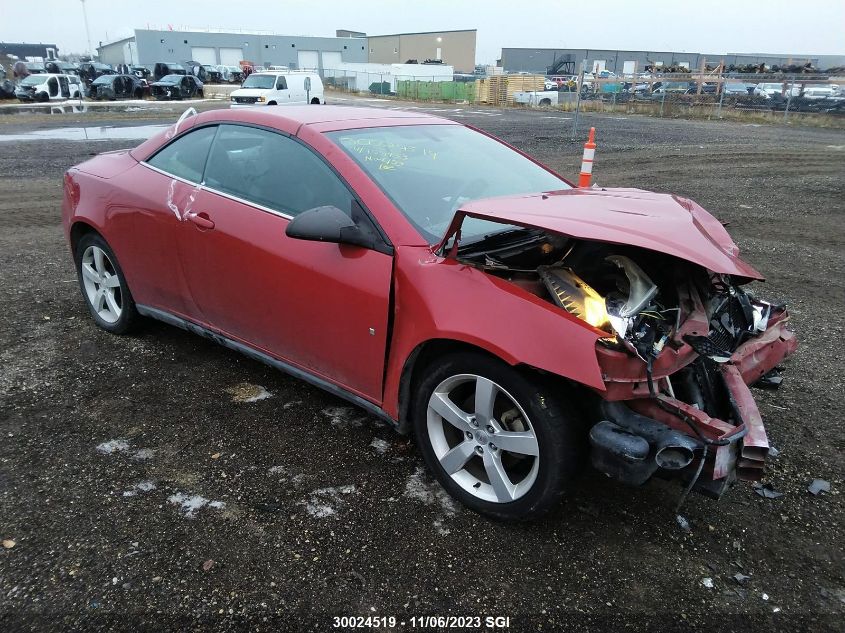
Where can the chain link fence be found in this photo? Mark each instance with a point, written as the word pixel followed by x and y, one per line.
pixel 686 95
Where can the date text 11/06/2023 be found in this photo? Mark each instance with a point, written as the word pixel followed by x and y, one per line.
pixel 422 622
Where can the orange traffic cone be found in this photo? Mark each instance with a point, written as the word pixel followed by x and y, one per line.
pixel 587 160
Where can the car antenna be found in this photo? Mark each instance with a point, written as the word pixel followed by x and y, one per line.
pixel 189 112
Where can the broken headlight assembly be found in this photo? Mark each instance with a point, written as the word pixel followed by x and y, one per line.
pixel 631 312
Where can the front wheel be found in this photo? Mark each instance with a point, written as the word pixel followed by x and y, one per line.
pixel 498 442
pixel 104 286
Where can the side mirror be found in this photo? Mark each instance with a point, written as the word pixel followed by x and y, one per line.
pixel 328 224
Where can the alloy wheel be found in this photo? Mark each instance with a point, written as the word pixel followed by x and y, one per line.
pixel 102 284
pixel 482 438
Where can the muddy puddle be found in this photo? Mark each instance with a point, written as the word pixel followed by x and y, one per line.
pixel 94 133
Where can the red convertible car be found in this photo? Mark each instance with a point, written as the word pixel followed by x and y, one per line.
pixel 448 283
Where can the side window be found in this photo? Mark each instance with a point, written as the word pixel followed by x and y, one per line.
pixel 281 84
pixel 274 171
pixel 53 86
pixel 186 156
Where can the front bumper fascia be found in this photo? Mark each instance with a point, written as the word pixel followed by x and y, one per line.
pixel 746 444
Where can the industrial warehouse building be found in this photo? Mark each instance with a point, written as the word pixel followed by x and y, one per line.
pixel 455 48
pixel 539 60
pixel 147 47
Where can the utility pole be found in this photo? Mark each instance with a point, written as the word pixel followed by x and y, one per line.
pixel 87 31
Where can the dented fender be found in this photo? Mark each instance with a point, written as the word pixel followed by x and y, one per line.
pixel 440 298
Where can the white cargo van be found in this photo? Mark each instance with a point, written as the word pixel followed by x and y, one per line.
pixel 266 88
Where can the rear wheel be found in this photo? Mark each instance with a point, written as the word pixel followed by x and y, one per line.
pixel 498 442
pixel 104 286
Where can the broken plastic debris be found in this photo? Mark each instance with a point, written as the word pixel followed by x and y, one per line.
pixel 707 582
pixel 818 486
pixel 766 492
pixel 207 565
pixel 740 578
pixel 685 526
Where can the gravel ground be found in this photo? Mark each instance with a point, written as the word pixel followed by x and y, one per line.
pixel 159 481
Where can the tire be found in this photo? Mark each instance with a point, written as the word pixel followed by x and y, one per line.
pixel 534 480
pixel 111 306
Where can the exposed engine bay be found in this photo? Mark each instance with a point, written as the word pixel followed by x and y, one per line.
pixel 639 298
pixel 677 392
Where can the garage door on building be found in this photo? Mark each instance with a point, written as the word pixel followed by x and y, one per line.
pixel 332 60
pixel 204 55
pixel 231 56
pixel 629 68
pixel 309 60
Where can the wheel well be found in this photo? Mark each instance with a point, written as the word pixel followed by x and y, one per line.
pixel 545 102
pixel 77 231
pixel 427 352
pixel 315 101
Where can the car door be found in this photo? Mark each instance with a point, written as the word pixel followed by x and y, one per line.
pixel 160 193
pixel 53 87
pixel 282 94
pixel 64 87
pixel 321 307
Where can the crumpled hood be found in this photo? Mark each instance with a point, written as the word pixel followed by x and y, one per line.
pixel 654 221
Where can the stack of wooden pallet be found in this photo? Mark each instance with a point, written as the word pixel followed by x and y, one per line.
pixel 499 89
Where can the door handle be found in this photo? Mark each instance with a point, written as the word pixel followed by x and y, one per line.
pixel 200 219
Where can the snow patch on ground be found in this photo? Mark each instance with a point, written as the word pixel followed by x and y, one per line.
pixel 189 505
pixel 292 403
pixel 144 453
pixel 381 446
pixel 442 531
pixel 141 486
pixel 420 488
pixel 123 446
pixel 324 502
pixel 113 446
pixel 344 417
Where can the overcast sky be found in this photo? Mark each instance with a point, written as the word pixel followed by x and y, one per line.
pixel 814 27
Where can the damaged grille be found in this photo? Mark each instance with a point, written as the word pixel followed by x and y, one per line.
pixel 732 323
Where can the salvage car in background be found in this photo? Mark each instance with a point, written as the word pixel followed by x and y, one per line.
pixel 447 283
pixel 231 74
pixel 162 69
pixel 49 87
pixel 776 89
pixel 737 89
pixel 173 87
pixel 89 71
pixel 113 87
pixel 214 75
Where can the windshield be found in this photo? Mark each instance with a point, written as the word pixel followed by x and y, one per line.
pixel 259 81
pixel 33 80
pixel 171 79
pixel 430 171
pixel 104 79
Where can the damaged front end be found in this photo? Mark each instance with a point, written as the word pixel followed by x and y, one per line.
pixel 678 346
